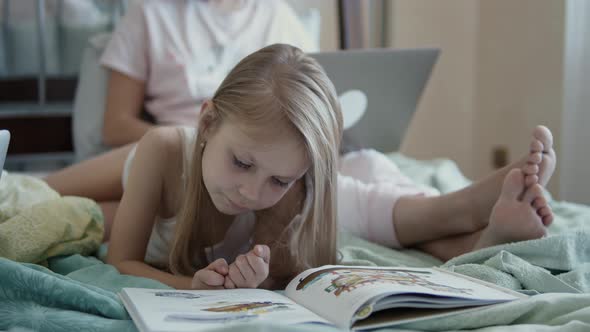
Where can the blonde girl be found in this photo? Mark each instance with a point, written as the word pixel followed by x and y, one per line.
pixel 258 175
pixel 209 208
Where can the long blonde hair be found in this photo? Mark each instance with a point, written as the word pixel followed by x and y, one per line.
pixel 278 84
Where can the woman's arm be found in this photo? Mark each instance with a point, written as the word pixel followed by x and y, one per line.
pixel 141 204
pixel 122 122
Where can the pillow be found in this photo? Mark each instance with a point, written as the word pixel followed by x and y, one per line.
pixel 90 101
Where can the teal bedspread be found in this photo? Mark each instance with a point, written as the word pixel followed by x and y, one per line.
pixel 75 292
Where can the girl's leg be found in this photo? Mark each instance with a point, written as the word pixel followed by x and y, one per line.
pixel 520 213
pixel 99 178
pixel 418 220
pixel 451 246
pixel 423 219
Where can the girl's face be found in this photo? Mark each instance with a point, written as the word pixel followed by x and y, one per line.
pixel 246 173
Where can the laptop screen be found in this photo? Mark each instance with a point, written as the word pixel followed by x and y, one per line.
pixel 385 85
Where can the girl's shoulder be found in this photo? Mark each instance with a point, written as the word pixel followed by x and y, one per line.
pixel 163 137
pixel 164 144
pixel 163 149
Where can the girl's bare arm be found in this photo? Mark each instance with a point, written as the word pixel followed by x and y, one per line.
pixel 140 205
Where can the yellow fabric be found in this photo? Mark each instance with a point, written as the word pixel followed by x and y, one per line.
pixel 36 223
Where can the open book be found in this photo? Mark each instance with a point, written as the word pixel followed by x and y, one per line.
pixel 350 297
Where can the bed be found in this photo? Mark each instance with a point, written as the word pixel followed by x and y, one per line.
pixel 53 278
pixel 70 288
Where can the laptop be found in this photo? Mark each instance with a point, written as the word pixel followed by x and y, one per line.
pixel 379 90
pixel 4 140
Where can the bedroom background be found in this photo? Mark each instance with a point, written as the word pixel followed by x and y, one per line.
pixel 505 66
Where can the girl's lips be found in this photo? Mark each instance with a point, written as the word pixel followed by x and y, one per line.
pixel 236 206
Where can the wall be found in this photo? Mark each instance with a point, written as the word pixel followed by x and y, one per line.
pixel 442 126
pixel 575 154
pixel 500 73
pixel 520 76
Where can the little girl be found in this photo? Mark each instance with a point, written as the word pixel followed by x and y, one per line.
pixel 259 177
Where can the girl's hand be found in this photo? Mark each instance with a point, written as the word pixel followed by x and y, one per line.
pixel 211 277
pixel 249 270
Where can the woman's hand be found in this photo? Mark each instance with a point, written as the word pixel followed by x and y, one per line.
pixel 211 277
pixel 249 270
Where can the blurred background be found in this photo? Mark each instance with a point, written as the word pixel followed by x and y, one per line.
pixel 505 66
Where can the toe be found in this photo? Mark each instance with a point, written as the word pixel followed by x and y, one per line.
pixel 532 193
pixel 529 180
pixel 547 220
pixel 544 211
pixel 535 158
pixel 530 169
pixel 539 202
pixel 513 184
pixel 544 135
pixel 536 146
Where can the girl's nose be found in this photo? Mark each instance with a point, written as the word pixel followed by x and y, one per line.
pixel 250 190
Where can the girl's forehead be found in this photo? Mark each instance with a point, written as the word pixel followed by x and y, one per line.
pixel 264 136
pixel 269 146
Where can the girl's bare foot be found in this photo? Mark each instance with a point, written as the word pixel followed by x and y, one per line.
pixel 521 213
pixel 540 162
pixel 538 166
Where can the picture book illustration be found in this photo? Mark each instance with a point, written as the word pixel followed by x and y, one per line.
pixel 182 295
pixel 348 279
pixel 255 308
pixel 224 318
pixel 230 311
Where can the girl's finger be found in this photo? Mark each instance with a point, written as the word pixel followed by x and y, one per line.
pixel 236 276
pixel 259 266
pixel 206 279
pixel 229 284
pixel 219 265
pixel 212 278
pixel 246 270
pixel 262 251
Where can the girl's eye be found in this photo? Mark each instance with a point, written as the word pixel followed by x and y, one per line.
pixel 240 164
pixel 280 183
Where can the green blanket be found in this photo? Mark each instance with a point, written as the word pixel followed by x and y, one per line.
pixel 76 292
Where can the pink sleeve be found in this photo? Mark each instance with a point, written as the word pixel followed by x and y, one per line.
pixel 127 51
pixel 366 210
pixel 369 186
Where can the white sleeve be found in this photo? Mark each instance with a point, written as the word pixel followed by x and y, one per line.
pixel 288 28
pixel 127 51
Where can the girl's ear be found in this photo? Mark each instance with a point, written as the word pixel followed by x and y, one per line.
pixel 208 119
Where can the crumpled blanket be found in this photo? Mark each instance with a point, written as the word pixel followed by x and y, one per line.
pixel 36 223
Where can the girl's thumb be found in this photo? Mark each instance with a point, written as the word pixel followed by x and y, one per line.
pixel 262 251
pixel 220 266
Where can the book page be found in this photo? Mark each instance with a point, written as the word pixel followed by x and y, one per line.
pixel 195 310
pixel 344 294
